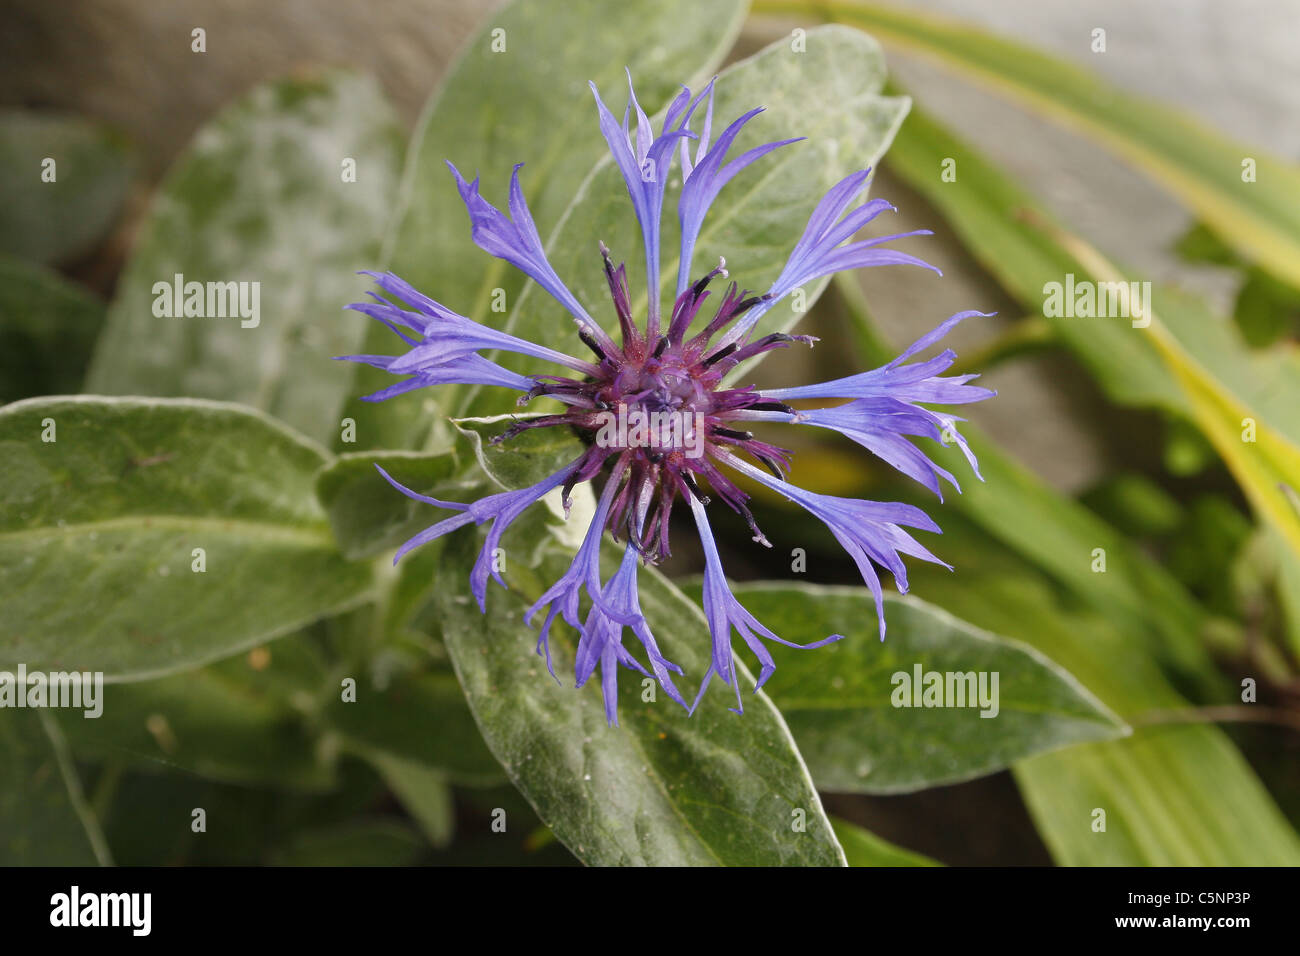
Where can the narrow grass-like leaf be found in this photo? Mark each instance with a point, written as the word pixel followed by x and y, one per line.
pixel 1250 199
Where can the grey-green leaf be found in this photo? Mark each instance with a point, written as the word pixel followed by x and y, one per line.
pixel 140 537
pixel 663 788
pixel 286 192
pixel 65 181
pixel 368 514
pixel 871 717
pixel 236 721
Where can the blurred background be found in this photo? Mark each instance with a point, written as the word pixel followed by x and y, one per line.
pixel 128 64
pixel 1236 67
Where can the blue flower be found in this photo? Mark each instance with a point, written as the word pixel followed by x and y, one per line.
pixel 662 422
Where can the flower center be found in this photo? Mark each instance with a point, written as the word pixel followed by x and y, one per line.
pixel 665 383
pixel 654 405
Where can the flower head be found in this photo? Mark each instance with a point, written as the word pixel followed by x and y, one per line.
pixel 663 424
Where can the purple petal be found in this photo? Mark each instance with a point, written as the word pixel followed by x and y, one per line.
pixel 724 613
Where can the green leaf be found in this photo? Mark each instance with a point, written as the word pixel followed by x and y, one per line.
pixel 1013 506
pixel 661 789
pixel 1186 451
pixel 855 707
pixel 520 462
pixel 1175 793
pixel 830 93
pixel 368 514
pixel 261 197
pixel 864 848
pixel 1204 549
pixel 1287 583
pixel 1173 796
pixel 44 818
pixel 47 330
pixel 526 458
pixel 99 528
pixel 361 843
pixel 999 222
pixel 1267 311
pixel 1259 216
pixel 1261 447
pixel 1185 360
pixel 528 103
pixel 1133 501
pixel 421 719
pixel 149 817
pixel 423 792
pixel 1148 617
pixel 1223 382
pixel 1009 232
pixel 238 721
pixel 56 221
pixel 1024 557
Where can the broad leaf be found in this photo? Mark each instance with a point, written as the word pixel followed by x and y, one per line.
pixel 525 459
pixel 265 197
pixel 65 182
pixel 663 788
pixel 236 721
pixel 518 94
pixel 1018 547
pixel 862 709
pixel 1175 793
pixel 47 330
pixel 140 537
pixel 368 514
